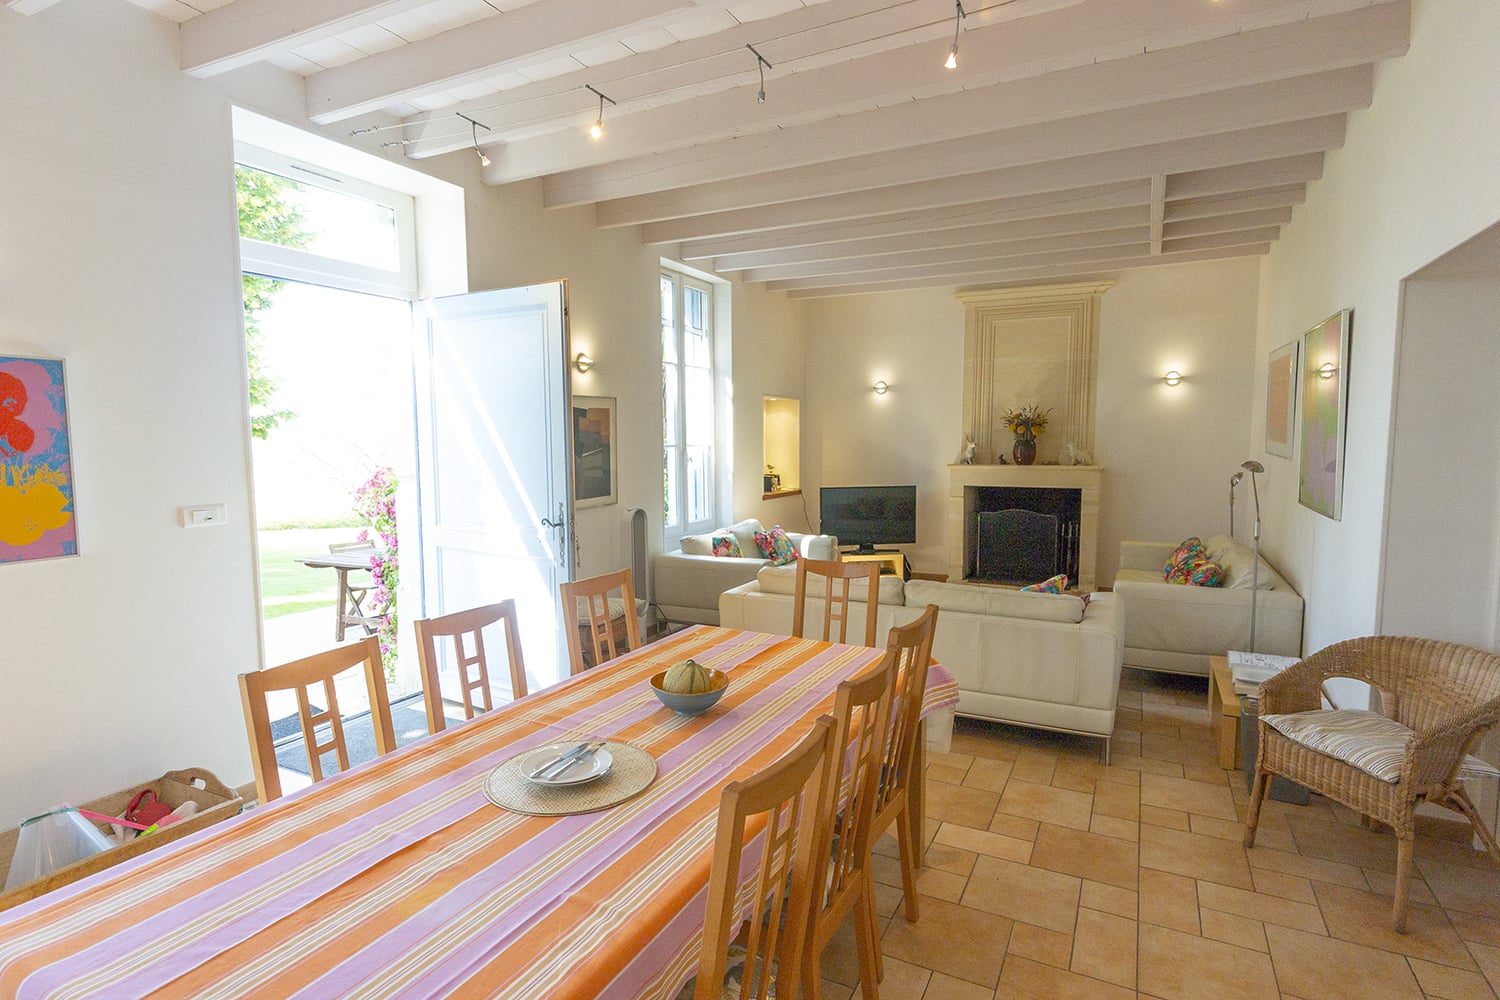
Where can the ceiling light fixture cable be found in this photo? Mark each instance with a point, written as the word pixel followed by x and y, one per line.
pixel 597 129
pixel 762 64
pixel 958 18
pixel 474 128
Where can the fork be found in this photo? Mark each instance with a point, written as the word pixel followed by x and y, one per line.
pixel 565 761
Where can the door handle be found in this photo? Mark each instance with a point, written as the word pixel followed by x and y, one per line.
pixel 559 527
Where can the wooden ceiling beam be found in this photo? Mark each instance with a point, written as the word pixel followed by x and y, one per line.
pixel 1045 206
pixel 961 236
pixel 29 7
pixel 1027 275
pixel 1188 118
pixel 248 31
pixel 1283 52
pixel 489 46
pixel 1237 201
pixel 1290 142
pixel 1227 223
pixel 1111 238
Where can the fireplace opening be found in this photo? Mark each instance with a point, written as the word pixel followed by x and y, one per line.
pixel 1022 535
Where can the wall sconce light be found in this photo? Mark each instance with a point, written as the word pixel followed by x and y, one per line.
pixel 583 363
pixel 881 388
pixel 1173 377
pixel 1327 370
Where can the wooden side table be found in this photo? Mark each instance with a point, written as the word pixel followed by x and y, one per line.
pixel 1224 712
pixel 891 562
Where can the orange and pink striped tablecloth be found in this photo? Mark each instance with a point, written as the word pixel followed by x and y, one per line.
pixel 399 878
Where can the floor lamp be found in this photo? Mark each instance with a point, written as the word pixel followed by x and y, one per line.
pixel 1253 467
pixel 1234 481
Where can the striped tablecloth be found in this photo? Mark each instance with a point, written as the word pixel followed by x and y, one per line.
pixel 399 878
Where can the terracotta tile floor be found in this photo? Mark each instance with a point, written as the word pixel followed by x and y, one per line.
pixel 1050 876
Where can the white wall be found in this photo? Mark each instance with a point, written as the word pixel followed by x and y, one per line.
pixel 1166 451
pixel 1416 177
pixel 118 253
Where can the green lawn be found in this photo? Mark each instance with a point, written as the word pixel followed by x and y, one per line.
pixel 288 587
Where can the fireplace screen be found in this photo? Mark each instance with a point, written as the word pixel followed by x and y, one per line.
pixel 1018 546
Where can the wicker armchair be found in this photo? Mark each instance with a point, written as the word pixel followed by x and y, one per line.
pixel 1446 696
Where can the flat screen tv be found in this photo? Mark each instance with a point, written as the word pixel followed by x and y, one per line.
pixel 868 516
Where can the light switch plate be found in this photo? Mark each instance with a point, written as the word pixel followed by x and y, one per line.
pixel 207 515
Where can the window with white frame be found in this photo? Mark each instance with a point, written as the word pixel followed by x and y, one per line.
pixel 688 415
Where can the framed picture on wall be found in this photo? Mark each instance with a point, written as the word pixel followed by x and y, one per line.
pixel 594 451
pixel 1325 402
pixel 36 462
pixel 1281 400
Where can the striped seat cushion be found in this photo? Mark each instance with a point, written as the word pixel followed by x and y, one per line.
pixel 1368 740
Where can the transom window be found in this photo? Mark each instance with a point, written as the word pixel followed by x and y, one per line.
pixel 688 417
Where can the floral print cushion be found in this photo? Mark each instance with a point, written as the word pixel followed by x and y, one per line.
pixel 1052 585
pixel 776 546
pixel 727 545
pixel 1180 566
pixel 1205 573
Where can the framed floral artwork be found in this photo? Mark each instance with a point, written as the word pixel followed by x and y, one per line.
pixel 1325 401
pixel 1281 400
pixel 36 462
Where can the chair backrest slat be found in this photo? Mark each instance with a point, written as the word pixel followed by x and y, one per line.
pixel 319 669
pixel 591 599
pixel 838 580
pixel 911 645
pixel 466 629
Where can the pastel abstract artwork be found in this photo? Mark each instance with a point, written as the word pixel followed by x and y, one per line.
pixel 37 519
pixel 1325 398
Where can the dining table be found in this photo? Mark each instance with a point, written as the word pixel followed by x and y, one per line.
pixel 401 878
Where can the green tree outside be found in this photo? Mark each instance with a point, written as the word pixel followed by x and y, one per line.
pixel 265 215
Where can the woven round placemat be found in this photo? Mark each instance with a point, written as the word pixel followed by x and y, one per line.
pixel 631 773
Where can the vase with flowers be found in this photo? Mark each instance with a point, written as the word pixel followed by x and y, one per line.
pixel 1026 423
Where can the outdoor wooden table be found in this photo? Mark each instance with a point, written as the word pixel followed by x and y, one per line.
pixel 400 878
pixel 344 562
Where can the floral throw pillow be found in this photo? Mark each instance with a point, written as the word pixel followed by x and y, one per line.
pixel 776 546
pixel 1183 558
pixel 1205 573
pixel 727 545
pixel 1052 585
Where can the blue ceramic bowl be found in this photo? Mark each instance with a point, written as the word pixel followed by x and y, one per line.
pixel 692 704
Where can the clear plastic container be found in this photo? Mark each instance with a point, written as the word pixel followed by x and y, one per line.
pixel 51 841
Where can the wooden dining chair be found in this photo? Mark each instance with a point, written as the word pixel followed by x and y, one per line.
pixel 838 578
pixel 899 798
pixel 465 628
pixel 599 617
pixel 298 675
pixel 790 795
pixel 843 877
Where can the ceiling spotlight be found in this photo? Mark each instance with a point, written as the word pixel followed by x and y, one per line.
pixel 597 129
pixel 762 65
pixel 474 128
pixel 958 17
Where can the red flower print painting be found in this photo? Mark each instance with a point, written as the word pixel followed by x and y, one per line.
pixel 16 435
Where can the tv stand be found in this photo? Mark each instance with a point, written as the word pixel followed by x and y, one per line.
pixel 891 560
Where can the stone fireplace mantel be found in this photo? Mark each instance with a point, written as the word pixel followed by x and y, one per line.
pixel 963 480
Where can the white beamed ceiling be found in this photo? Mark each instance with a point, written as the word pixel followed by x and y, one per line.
pixel 1076 138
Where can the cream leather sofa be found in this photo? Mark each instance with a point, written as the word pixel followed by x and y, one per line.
pixel 1175 628
pixel 687 583
pixel 1039 660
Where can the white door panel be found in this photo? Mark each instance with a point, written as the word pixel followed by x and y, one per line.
pixel 491 416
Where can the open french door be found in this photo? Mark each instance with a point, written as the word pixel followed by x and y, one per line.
pixel 493 460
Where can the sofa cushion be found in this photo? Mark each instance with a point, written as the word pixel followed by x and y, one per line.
pixel 745 531
pixel 1205 573
pixel 1052 585
pixel 783 580
pixel 776 546
pixel 1181 562
pixel 1239 564
pixel 825 547
pixel 993 601
pixel 697 545
pixel 727 545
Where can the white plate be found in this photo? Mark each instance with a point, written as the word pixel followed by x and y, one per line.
pixel 594 766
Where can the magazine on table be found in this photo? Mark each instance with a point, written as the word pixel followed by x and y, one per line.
pixel 1251 670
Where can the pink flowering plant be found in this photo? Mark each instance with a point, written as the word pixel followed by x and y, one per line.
pixel 375 501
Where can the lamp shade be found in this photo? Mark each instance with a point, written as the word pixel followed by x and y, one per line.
pixel 51 841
